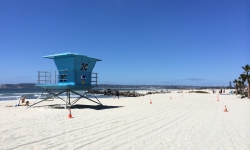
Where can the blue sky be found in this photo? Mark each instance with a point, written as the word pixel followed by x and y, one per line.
pixel 161 42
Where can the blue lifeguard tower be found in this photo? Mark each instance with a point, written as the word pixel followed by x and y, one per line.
pixel 74 73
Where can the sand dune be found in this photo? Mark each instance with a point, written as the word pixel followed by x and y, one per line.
pixel 194 121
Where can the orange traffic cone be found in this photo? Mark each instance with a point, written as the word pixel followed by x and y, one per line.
pixel 70 115
pixel 150 102
pixel 225 110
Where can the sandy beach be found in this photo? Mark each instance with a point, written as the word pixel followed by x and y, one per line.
pixel 187 121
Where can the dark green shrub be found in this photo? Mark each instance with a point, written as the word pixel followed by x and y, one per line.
pixel 204 92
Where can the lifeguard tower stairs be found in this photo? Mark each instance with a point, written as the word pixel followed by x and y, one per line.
pixel 73 74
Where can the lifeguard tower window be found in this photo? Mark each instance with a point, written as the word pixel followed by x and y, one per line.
pixel 74 71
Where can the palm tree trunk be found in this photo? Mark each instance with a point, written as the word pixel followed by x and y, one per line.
pixel 248 89
pixel 240 90
pixel 236 90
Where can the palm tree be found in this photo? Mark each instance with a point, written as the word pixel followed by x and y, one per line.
pixel 236 85
pixel 243 79
pixel 239 84
pixel 247 70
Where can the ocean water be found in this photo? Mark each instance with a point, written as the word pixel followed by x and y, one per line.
pixel 16 94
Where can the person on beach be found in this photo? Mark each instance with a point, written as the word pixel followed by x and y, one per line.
pixel 109 92
pixel 15 105
pixel 116 94
pixel 22 100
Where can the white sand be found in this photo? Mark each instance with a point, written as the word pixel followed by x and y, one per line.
pixel 194 121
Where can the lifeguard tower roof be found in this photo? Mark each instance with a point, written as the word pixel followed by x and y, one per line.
pixel 67 55
pixel 74 71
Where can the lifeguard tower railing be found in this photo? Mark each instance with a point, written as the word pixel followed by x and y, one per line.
pixel 53 77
